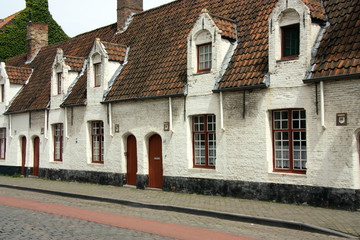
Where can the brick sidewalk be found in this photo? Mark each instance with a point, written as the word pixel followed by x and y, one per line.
pixel 338 220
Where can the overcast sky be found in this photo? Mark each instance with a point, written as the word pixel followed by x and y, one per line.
pixel 77 16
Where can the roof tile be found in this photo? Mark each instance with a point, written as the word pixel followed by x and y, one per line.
pixel 18 75
pixel 78 92
pixel 36 93
pixel 115 51
pixel 339 50
pixel 75 63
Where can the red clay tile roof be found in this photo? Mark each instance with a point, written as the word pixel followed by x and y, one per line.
pixel 157 41
pixel 75 63
pixel 4 22
pixel 158 47
pixel 115 51
pixel 78 92
pixel 18 75
pixel 227 26
pixel 339 50
pixel 317 10
pixel 36 94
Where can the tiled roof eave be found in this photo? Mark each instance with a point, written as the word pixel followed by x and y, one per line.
pixel 332 78
pixel 25 111
pixel 73 105
pixel 143 98
pixel 234 89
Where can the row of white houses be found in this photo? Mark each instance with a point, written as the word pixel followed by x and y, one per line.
pixel 263 107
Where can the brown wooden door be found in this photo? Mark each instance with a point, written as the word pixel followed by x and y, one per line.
pixel 23 155
pixel 36 156
pixel 131 160
pixel 155 162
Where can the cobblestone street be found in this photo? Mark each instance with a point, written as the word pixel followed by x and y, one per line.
pixel 27 224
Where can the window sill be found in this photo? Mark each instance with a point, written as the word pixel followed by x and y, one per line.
pixel 56 162
pixel 297 174
pixel 202 73
pixel 202 170
pixel 97 163
pixel 288 59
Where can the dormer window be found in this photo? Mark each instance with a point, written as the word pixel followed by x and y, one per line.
pixel 2 89
pixel 204 57
pixel 59 82
pixel 97 75
pixel 290 41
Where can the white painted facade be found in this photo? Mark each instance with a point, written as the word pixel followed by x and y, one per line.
pixel 244 145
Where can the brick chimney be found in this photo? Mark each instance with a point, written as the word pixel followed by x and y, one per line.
pixel 125 8
pixel 36 37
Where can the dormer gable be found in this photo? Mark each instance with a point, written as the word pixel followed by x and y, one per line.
pixel 103 61
pixel 294 28
pixel 98 59
pixel 58 74
pixel 65 69
pixel 12 80
pixel 208 42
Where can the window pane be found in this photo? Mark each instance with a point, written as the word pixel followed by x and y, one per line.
pixel 211 123
pixel 205 56
pixel 290 40
pixel 284 125
pixel 2 142
pixel 98 141
pixel 285 135
pixel 97 74
pixel 303 114
pixel 281 120
pixel 286 164
pixel 303 124
pixel 276 115
pixel 199 124
pixel 297 164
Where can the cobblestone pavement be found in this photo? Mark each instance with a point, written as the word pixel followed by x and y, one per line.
pixel 343 221
pixel 15 228
pixel 17 223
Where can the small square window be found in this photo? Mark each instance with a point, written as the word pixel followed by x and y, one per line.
pixel 290 41
pixel 59 82
pixel 2 143
pixel 204 58
pixel 97 74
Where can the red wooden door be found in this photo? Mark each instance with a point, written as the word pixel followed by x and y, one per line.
pixel 36 156
pixel 155 162
pixel 131 160
pixel 23 155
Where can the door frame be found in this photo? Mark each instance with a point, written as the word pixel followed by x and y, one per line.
pixel 155 174
pixel 36 152
pixel 131 180
pixel 23 142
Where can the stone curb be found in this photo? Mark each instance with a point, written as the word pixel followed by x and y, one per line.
pixel 199 212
